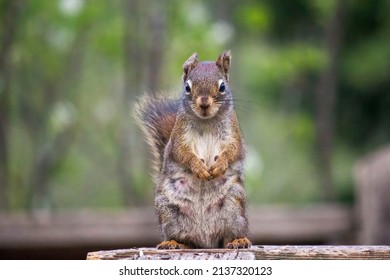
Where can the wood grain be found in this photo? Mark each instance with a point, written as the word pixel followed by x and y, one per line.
pixel 254 253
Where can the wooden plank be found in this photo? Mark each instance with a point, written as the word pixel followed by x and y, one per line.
pixel 275 224
pixel 372 181
pixel 323 252
pixel 255 252
pixel 79 228
pixel 289 224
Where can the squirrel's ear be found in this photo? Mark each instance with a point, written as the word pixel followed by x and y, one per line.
pixel 189 65
pixel 223 63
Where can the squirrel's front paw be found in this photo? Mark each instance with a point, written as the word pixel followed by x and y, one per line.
pixel 219 167
pixel 239 243
pixel 171 244
pixel 200 170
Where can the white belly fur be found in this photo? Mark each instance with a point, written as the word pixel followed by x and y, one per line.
pixel 205 146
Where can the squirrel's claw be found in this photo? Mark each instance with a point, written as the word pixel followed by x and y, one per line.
pixel 200 170
pixel 170 245
pixel 219 167
pixel 239 243
pixel 203 174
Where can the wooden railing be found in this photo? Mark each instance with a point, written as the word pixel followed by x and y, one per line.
pixel 277 224
pixel 254 253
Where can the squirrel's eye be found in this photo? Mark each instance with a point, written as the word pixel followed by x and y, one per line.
pixel 222 87
pixel 188 88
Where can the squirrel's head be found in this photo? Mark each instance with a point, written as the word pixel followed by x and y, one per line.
pixel 205 85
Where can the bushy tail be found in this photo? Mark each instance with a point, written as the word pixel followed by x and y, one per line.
pixel 156 117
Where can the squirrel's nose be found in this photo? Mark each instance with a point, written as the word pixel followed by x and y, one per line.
pixel 204 106
pixel 204 102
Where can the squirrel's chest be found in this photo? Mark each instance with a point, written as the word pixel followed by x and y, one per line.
pixel 206 145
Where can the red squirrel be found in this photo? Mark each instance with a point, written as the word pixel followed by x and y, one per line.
pixel 198 153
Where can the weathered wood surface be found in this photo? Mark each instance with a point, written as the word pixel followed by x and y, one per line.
pixel 254 253
pixel 272 224
pixel 372 176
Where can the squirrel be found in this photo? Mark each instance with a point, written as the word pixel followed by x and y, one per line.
pixel 198 155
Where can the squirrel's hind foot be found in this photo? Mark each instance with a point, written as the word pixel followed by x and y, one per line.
pixel 239 243
pixel 170 245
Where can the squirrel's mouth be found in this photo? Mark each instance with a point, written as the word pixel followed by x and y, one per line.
pixel 205 107
pixel 206 113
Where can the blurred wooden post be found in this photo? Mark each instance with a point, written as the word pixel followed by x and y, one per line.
pixel 254 253
pixel 372 175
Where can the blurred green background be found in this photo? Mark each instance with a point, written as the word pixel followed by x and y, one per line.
pixel 310 79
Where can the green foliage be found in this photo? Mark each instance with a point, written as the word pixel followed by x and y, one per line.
pixel 276 68
pixel 279 162
pixel 69 75
pixel 363 103
pixel 253 18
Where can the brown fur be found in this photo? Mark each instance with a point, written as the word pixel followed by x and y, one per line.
pixel 199 195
